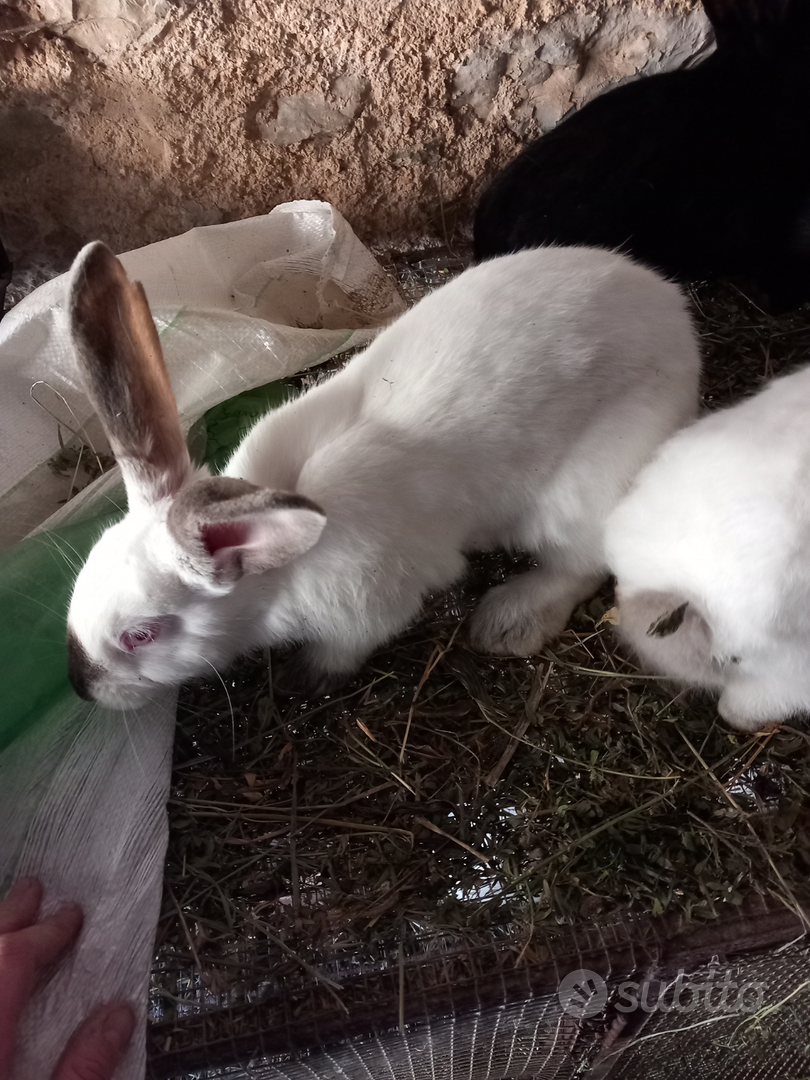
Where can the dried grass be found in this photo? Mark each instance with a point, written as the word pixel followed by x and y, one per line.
pixel 446 797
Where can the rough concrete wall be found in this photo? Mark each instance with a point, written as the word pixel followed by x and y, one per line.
pixel 131 120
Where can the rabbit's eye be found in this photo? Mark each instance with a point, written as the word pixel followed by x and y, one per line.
pixel 140 635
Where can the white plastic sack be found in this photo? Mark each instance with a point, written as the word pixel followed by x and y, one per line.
pixel 82 789
pixel 237 305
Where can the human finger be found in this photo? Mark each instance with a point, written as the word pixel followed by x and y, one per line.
pixel 98 1045
pixel 20 907
pixel 23 955
pixel 41 943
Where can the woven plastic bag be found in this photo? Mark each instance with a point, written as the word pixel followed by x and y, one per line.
pixel 83 789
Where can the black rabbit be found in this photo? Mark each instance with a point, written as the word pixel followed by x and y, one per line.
pixel 699 173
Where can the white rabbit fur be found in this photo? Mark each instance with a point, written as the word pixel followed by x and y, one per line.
pixel 512 407
pixel 719 521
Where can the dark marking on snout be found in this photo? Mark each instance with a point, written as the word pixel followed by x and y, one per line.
pixel 668 623
pixel 82 671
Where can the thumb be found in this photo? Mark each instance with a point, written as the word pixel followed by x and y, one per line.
pixel 98 1045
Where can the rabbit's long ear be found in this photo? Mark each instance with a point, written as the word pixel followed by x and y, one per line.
pixel 227 528
pixel 669 632
pixel 119 355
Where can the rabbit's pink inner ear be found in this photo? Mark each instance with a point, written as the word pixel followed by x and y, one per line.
pixel 225 542
pixel 225 534
pixel 119 354
pixel 228 527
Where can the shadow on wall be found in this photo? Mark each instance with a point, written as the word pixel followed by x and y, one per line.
pixel 37 154
pixel 132 122
pixel 77 197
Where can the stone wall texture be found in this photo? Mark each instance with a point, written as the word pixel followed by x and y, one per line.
pixel 132 120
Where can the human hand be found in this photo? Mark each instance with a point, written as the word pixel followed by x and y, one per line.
pixel 27 948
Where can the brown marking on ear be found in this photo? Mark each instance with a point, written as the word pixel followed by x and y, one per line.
pixel 684 651
pixel 667 623
pixel 215 505
pixel 222 498
pixel 82 671
pixel 119 354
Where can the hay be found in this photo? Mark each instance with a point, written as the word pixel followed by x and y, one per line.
pixel 448 798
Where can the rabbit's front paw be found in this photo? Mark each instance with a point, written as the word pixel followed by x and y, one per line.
pixel 518 618
pixel 748 707
pixel 502 627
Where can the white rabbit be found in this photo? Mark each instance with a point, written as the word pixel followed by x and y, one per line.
pixel 511 407
pixel 711 551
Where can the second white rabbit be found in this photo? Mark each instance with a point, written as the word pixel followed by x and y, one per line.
pixel 711 550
